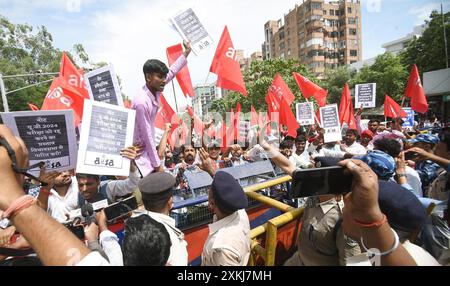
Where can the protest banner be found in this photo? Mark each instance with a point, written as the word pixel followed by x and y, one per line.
pixel 49 137
pixel 330 123
pixel 305 113
pixel 365 95
pixel 191 29
pixel 408 121
pixel 244 129
pixel 105 131
pixel 103 86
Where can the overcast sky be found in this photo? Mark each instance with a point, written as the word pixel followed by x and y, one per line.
pixel 127 33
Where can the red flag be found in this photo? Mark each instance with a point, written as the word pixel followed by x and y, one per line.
pixel 61 96
pixel 33 107
pixel 392 109
pixel 280 89
pixel 166 115
pixel 183 76
pixel 254 117
pixel 346 111
pixel 287 118
pixel 414 90
pixel 73 76
pixel 226 66
pixel 237 122
pixel 308 89
pixel 198 123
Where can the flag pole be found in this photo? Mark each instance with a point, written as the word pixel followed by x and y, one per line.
pixel 175 96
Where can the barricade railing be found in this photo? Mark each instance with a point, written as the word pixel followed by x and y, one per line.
pixel 270 228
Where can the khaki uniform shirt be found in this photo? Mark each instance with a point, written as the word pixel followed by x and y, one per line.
pixel 228 243
pixel 319 243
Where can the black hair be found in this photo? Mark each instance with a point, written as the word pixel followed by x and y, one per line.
pixel 156 202
pixel 374 120
pixel 354 131
pixel 22 261
pixel 300 138
pixel 155 66
pixel 87 176
pixel 287 144
pixel 146 242
pixel 301 131
pixel 183 147
pixel 388 146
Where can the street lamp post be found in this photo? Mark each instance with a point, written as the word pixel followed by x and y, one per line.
pixel 3 90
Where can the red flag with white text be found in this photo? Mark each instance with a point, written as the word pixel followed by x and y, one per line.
pixel 226 66
pixel 392 109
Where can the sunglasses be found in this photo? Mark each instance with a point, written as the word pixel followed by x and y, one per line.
pixel 16 168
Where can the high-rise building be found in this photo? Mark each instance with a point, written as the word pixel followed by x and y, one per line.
pixel 321 34
pixel 204 96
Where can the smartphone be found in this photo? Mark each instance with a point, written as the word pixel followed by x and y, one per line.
pixel 320 181
pixel 121 208
pixel 411 156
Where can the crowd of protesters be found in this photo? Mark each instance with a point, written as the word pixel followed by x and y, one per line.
pixel 397 210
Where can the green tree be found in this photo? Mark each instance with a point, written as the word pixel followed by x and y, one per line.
pixel 25 50
pixel 258 80
pixel 428 51
pixel 335 80
pixel 389 73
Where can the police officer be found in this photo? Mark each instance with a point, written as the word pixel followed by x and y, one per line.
pixel 228 243
pixel 322 241
pixel 156 190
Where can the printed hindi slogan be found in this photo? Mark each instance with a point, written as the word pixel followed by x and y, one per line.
pixel 48 135
pixel 106 130
pixel 330 122
pixel 365 95
pixel 191 29
pixel 103 86
pixel 305 113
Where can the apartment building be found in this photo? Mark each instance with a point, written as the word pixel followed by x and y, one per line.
pixel 321 34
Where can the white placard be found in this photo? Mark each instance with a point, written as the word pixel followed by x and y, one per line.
pixel 365 95
pixel 103 86
pixel 305 113
pixel 330 122
pixel 244 128
pixel 49 137
pixel 105 131
pixel 190 29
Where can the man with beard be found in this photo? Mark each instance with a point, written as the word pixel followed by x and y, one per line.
pixel 61 198
pixel 147 104
pixel 188 163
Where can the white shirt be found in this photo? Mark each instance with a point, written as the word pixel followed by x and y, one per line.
pixel 178 251
pixel 300 161
pixel 228 243
pixel 110 245
pixel 58 207
pixel 93 259
pixel 334 152
pixel 414 181
pixel 356 149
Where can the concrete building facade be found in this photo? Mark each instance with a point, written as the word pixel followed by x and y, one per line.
pixel 321 34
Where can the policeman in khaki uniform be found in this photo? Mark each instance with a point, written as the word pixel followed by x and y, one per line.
pixel 322 241
pixel 228 243
pixel 156 190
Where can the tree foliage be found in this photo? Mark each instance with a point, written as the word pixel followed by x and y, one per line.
pixel 25 50
pixel 389 73
pixel 258 79
pixel 335 80
pixel 428 51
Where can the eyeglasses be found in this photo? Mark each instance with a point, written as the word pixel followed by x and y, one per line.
pixel 16 168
